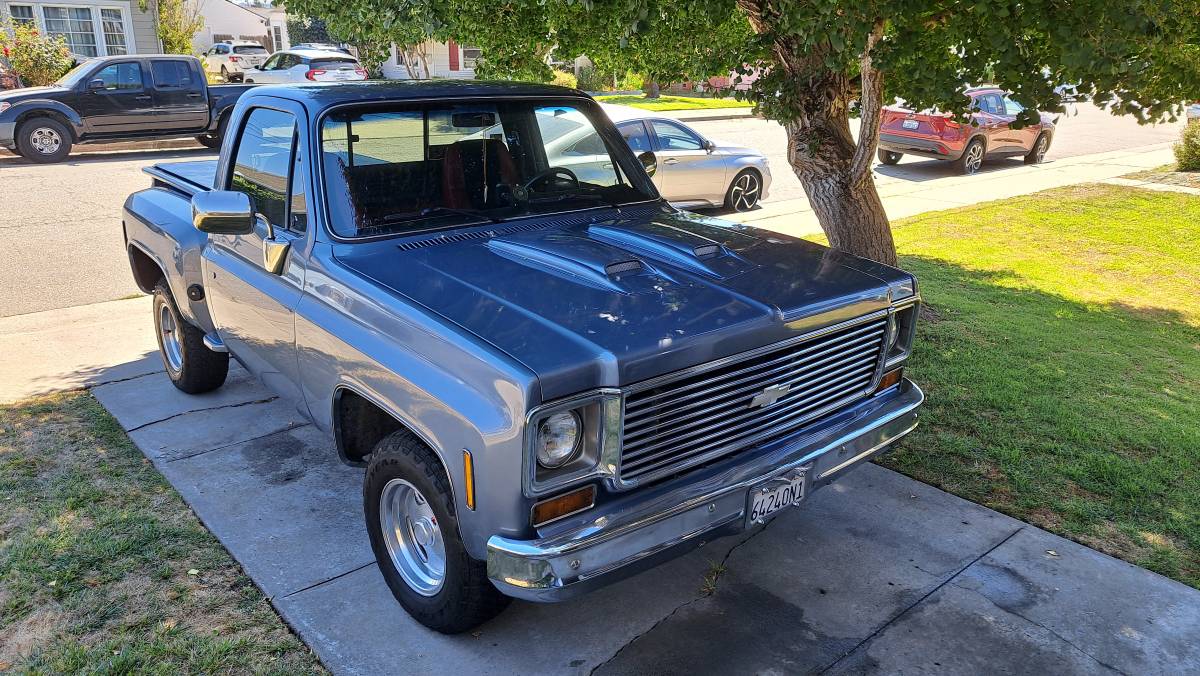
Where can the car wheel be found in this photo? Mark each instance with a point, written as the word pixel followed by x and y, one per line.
pixel 191 366
pixel 413 526
pixel 44 140
pixel 1038 152
pixel 214 139
pixel 889 157
pixel 744 192
pixel 972 157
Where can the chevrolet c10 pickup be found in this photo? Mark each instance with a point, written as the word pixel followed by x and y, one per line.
pixel 553 378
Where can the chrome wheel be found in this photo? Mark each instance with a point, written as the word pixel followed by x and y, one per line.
pixel 974 158
pixel 412 537
pixel 743 195
pixel 172 350
pixel 1039 150
pixel 45 140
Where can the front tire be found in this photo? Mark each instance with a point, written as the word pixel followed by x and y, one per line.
pixel 889 157
pixel 972 158
pixel 191 366
pixel 44 140
pixel 1037 154
pixel 413 526
pixel 744 192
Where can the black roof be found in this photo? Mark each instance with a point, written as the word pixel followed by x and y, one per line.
pixel 324 94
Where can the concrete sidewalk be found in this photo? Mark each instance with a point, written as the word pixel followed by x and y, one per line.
pixel 910 189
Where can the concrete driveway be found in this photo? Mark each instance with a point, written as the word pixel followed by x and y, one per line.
pixel 875 574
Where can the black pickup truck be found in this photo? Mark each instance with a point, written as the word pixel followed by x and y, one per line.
pixel 116 98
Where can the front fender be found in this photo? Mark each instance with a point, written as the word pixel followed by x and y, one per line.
pixel 23 110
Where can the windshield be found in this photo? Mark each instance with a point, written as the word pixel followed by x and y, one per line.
pixel 250 49
pixel 416 167
pixel 74 76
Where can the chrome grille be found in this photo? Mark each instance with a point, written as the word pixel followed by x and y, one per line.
pixel 698 415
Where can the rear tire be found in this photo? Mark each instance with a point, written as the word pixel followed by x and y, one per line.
pixel 191 366
pixel 214 139
pixel 889 157
pixel 411 519
pixel 44 140
pixel 1037 154
pixel 972 157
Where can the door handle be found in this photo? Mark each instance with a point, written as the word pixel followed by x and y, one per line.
pixel 194 95
pixel 670 160
pixel 141 98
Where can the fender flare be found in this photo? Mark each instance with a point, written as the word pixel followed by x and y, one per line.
pixel 23 110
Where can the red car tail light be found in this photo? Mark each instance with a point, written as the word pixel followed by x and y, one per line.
pixel 312 74
pixel 361 71
pixel 234 59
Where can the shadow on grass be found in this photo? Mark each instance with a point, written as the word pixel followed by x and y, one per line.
pixel 1079 418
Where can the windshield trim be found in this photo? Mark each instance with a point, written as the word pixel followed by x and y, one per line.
pixel 606 130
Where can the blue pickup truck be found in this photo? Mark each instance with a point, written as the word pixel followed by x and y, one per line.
pixel 552 377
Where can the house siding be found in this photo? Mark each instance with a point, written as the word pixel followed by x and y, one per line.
pixel 145 27
pixel 141 36
pixel 439 64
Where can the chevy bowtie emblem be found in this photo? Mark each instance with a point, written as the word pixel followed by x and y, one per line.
pixel 769 396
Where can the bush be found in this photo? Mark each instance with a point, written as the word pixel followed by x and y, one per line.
pixel 1187 151
pixel 592 80
pixel 631 82
pixel 36 58
pixel 564 79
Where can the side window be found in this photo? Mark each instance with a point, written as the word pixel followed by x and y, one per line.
pixel 270 63
pixel 635 135
pixel 990 103
pixel 120 77
pixel 673 137
pixel 298 214
pixel 171 74
pixel 264 159
pixel 1012 107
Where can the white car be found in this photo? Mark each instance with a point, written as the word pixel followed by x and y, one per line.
pixel 231 59
pixel 307 65
pixel 1193 113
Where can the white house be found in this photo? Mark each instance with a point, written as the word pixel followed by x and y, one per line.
pixel 276 18
pixel 445 59
pixel 91 27
pixel 225 20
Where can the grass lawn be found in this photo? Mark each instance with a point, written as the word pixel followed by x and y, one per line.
pixel 1062 365
pixel 103 568
pixel 665 102
pixel 1167 174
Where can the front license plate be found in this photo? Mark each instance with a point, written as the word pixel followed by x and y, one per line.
pixel 776 494
pixel 910 124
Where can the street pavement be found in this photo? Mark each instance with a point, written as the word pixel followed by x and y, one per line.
pixel 61 242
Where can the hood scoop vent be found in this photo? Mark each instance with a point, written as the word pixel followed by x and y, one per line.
pixel 707 250
pixel 622 267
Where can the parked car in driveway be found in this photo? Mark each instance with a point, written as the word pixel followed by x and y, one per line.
pixel 116 98
pixel 990 133
pixel 553 380
pixel 231 59
pixel 307 65
pixel 689 169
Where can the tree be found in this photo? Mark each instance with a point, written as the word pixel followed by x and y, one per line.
pixel 814 64
pixel 178 22
pixel 303 29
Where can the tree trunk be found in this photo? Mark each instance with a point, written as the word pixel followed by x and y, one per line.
pixel 652 89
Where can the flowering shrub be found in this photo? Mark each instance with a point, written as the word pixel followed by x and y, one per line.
pixel 36 58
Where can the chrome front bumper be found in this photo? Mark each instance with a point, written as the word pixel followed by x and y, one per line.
pixel 657 523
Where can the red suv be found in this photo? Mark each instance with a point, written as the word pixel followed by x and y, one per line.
pixel 931 134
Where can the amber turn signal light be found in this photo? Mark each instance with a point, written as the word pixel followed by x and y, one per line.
pixel 469 478
pixel 563 505
pixel 890 379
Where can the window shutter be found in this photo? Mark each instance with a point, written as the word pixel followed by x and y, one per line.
pixel 453 46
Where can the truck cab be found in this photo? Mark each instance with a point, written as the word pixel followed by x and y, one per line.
pixel 552 378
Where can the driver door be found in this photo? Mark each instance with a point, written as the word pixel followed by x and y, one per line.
pixel 690 171
pixel 255 281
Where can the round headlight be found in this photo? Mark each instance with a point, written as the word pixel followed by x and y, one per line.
pixel 557 439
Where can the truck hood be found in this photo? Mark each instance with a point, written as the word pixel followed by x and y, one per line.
pixel 614 299
pixel 15 96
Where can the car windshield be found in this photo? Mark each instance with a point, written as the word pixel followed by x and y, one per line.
pixel 417 167
pixel 250 49
pixel 74 76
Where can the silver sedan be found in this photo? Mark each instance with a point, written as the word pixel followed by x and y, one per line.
pixel 689 169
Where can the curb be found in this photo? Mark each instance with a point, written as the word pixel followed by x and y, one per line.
pixel 165 144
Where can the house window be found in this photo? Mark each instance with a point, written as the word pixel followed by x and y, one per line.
pixel 469 55
pixel 76 25
pixel 114 32
pixel 278 38
pixel 21 13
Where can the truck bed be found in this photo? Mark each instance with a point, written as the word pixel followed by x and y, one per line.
pixel 186 177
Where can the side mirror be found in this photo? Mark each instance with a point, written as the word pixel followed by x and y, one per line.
pixel 709 145
pixel 96 85
pixel 649 162
pixel 223 212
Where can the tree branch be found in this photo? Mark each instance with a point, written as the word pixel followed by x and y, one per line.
pixel 871 106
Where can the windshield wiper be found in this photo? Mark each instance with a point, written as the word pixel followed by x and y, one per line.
pixel 589 193
pixel 434 212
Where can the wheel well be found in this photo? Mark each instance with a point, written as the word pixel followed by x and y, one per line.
pixel 53 115
pixel 359 424
pixel 145 271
